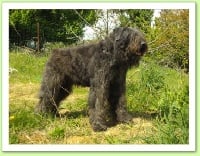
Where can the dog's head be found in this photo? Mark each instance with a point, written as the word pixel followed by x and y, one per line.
pixel 130 39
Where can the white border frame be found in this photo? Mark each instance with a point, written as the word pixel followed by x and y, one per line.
pixel 5 77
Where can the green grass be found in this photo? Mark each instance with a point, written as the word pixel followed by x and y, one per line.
pixel 29 67
pixel 158 98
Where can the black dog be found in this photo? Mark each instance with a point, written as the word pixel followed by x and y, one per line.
pixel 102 67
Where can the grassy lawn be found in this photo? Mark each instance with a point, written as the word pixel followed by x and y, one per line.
pixel 156 96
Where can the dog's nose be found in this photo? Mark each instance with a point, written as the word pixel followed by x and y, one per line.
pixel 143 47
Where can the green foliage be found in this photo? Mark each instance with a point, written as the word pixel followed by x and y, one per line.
pixel 165 92
pixel 140 18
pixel 169 43
pixel 150 82
pixel 55 25
pixel 57 133
pixel 173 120
pixel 151 78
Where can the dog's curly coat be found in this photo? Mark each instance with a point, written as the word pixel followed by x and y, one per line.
pixel 102 67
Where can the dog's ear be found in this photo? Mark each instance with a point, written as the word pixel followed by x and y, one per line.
pixel 121 36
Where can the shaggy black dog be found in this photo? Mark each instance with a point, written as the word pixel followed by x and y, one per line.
pixel 102 67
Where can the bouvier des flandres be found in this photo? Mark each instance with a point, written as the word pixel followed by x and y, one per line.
pixel 102 67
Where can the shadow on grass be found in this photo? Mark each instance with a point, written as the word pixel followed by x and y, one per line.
pixel 84 113
pixel 145 115
pixel 73 114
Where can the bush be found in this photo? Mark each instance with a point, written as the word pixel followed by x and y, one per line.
pixel 145 93
pixel 169 40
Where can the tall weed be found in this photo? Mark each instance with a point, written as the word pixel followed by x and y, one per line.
pixel 145 92
pixel 172 122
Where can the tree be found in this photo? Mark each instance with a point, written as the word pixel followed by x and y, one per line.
pixel 170 44
pixel 107 21
pixel 55 24
pixel 111 18
pixel 140 18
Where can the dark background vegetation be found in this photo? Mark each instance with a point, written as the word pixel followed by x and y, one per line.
pixel 168 37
